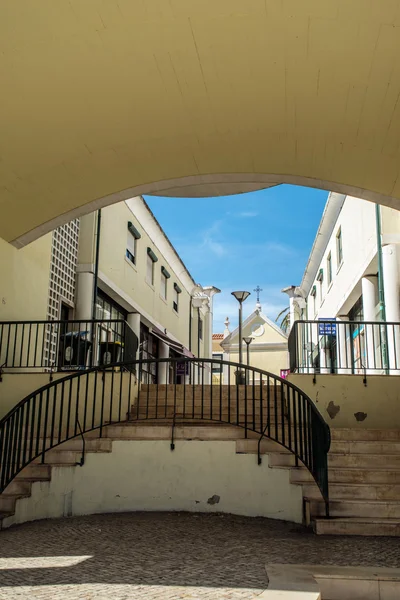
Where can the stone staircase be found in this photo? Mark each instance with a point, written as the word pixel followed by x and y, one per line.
pixel 364 465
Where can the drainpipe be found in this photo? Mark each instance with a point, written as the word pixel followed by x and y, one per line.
pixel 382 308
pixel 190 323
pixel 198 332
pixel 96 264
pixel 96 275
pixel 381 291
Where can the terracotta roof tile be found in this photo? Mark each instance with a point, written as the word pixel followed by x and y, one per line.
pixel 218 336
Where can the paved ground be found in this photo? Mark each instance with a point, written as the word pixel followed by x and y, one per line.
pixel 166 556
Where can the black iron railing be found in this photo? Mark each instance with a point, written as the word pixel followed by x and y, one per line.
pixel 93 399
pixel 65 345
pixel 347 347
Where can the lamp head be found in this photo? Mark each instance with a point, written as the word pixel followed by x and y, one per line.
pixel 247 340
pixel 241 296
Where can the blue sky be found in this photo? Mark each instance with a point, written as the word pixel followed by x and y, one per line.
pixel 238 242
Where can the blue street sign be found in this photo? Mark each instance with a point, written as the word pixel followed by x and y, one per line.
pixel 327 328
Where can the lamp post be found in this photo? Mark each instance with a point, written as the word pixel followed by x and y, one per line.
pixel 240 297
pixel 247 340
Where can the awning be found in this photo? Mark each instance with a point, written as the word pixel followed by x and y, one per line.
pixel 171 343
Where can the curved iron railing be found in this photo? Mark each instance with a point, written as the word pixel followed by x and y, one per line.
pixel 247 397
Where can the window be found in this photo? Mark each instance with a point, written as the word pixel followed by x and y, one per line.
pixel 217 368
pixel 164 279
pixel 200 329
pixel 133 235
pixel 151 259
pixel 175 302
pixel 339 247
pixel 163 287
pixel 329 268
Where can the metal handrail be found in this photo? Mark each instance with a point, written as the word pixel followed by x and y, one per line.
pixel 62 345
pixel 92 399
pixel 327 346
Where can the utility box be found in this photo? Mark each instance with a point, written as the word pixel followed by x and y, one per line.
pixel 110 352
pixel 74 350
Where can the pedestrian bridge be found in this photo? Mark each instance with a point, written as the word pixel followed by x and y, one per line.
pixel 105 100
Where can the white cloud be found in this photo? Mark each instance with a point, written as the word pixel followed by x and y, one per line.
pixel 247 214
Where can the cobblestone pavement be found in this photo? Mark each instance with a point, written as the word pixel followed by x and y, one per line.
pixel 166 556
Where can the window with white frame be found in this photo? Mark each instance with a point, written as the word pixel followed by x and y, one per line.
pixel 132 236
pixel 329 268
pixel 164 283
pixel 339 247
pixel 151 259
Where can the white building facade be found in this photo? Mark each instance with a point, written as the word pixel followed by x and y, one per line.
pixel 350 287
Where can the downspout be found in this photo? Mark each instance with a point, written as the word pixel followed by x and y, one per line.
pixel 198 332
pixel 96 264
pixel 381 290
pixel 190 323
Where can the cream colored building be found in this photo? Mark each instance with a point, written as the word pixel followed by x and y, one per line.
pixel 139 278
pixel 268 350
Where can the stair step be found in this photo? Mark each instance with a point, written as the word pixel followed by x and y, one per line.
pixel 61 457
pixel 163 432
pixel 362 491
pixel 7 501
pixel 357 508
pixel 18 487
pixel 5 515
pixel 365 447
pixel 354 435
pixel 364 461
pixel 357 526
pixel 34 472
pixel 91 444
pixel 250 446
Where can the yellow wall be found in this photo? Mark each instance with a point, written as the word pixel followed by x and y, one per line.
pixel 271 361
pixel 131 279
pixel 344 401
pixel 24 280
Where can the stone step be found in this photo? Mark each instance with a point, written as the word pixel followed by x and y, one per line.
pixel 7 501
pixel 35 472
pixel 282 459
pixel 91 444
pixel 357 526
pixel 361 491
pixel 5 515
pixel 246 446
pixel 353 435
pixel 61 457
pixel 382 509
pixel 18 487
pixel 365 447
pixel 364 461
pixel 382 476
pixel 163 432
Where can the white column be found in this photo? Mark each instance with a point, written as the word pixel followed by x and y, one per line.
pixel 391 288
pixel 84 295
pixel 369 297
pixel 133 320
pixel 163 367
pixel 292 311
pixel 343 350
pixel 391 282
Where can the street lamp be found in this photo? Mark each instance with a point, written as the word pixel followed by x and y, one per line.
pixel 247 340
pixel 240 297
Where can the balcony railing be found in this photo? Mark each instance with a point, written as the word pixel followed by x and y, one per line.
pixel 65 345
pixel 345 347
